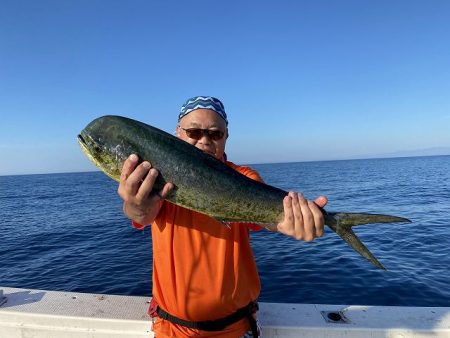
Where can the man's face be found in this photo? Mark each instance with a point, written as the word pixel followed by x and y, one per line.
pixel 204 119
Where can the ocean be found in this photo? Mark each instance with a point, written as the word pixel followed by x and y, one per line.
pixel 67 232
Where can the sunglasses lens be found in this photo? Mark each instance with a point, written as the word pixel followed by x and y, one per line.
pixel 197 134
pixel 215 134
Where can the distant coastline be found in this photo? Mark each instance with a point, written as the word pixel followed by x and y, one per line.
pixel 429 152
pixel 437 151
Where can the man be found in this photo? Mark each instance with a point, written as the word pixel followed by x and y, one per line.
pixel 205 281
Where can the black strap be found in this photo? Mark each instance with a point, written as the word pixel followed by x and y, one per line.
pixel 218 324
pixel 253 326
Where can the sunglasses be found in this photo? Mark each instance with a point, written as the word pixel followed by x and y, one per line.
pixel 197 133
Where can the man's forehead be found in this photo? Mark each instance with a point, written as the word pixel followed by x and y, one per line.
pixel 203 119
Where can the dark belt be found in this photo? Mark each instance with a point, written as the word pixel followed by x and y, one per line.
pixel 218 324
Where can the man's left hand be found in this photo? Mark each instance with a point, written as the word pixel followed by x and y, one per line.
pixel 303 219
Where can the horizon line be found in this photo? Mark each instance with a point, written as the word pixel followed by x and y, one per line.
pixel 249 164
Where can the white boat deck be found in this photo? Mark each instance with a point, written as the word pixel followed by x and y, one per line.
pixel 52 314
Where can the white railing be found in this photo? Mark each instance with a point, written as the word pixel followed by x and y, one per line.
pixel 53 314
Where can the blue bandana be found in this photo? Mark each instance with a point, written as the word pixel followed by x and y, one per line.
pixel 203 102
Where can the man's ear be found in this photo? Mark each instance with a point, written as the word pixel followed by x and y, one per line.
pixel 177 131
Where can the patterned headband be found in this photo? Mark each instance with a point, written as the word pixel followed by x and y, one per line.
pixel 203 102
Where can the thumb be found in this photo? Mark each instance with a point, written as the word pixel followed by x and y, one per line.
pixel 321 201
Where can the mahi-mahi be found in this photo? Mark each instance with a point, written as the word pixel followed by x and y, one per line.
pixel 202 182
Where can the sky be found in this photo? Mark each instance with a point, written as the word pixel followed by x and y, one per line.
pixel 300 80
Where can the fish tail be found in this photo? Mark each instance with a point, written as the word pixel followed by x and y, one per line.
pixel 341 223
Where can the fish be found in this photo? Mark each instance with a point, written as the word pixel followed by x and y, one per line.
pixel 203 183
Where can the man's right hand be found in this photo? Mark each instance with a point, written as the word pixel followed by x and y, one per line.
pixel 141 203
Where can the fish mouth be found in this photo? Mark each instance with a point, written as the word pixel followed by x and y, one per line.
pixel 84 146
pixel 87 144
pixel 81 139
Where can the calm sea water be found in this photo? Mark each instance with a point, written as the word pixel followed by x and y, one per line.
pixel 67 232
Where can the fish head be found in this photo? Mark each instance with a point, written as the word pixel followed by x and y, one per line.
pixel 103 148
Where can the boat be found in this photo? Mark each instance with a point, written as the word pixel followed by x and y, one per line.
pixel 54 314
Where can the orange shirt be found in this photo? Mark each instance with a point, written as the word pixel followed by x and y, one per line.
pixel 202 270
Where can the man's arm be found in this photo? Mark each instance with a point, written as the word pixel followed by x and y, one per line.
pixel 140 203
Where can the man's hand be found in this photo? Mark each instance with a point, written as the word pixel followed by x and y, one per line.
pixel 303 219
pixel 141 204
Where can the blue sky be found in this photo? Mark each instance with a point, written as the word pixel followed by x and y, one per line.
pixel 300 80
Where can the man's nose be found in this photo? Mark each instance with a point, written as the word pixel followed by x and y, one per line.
pixel 205 139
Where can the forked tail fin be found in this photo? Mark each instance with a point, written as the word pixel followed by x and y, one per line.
pixel 342 222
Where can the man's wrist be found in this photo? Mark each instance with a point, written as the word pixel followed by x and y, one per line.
pixel 134 214
pixel 271 227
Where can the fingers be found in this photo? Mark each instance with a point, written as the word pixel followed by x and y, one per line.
pixel 309 230
pixel 303 219
pixel 321 201
pixel 160 195
pixel 147 182
pixel 136 188
pixel 137 181
pixel 287 226
pixel 134 181
pixel 299 230
pixel 128 167
pixel 318 218
pixel 303 216
pixel 166 190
